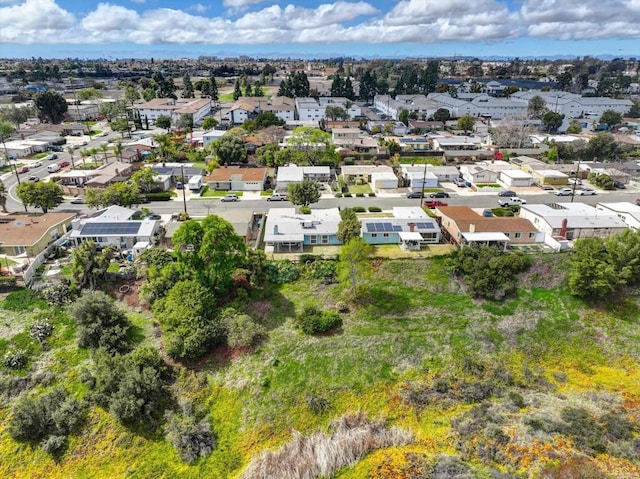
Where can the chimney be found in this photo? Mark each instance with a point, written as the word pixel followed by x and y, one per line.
pixel 564 228
pixel 412 227
pixel 472 228
pixel 117 171
pixel 275 230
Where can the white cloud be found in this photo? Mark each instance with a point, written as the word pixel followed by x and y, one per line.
pixel 416 21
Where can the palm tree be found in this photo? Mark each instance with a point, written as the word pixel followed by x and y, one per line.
pixel 3 197
pixel 163 143
pixel 84 153
pixel 104 148
pixel 93 152
pixel 118 149
pixel 70 150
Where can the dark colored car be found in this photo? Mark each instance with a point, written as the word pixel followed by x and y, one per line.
pixel 638 201
pixel 507 194
pixel 63 164
pixel 619 185
pixel 33 179
pixel 415 194
pixel 439 194
pixel 154 217
pixel 24 169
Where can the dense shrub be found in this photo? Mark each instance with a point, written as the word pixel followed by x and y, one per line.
pixel 49 418
pixel 159 196
pixel 281 272
pixel 7 283
pixel 359 209
pixel 359 195
pixel 58 294
pixel 372 194
pixel 101 324
pixel 313 320
pixel 324 270
pixel 41 329
pixel 347 195
pixel 242 331
pixel 305 210
pixel 338 195
pixel 192 439
pixel 374 209
pixel 15 358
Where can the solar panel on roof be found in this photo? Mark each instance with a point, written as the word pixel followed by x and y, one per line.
pixel 397 228
pixel 371 227
pixel 127 228
pixel 387 226
pixel 429 226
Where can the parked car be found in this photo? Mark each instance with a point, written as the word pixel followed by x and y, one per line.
pixel 179 185
pixel 460 182
pixel 277 197
pixel 144 200
pixel 78 200
pixel 564 192
pixel 24 169
pixel 434 203
pixel 574 181
pixel 487 213
pixel 638 201
pixel 512 201
pixel 619 185
pixel 415 194
pixel 586 192
pixel 36 164
pixel 33 179
pixel 439 194
pixel 154 217
pixel 63 164
pixel 57 148
pixel 229 197
pixel 507 194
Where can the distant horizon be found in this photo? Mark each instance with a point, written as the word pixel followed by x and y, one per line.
pixel 309 29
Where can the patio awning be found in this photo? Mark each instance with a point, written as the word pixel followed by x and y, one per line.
pixel 410 236
pixel 483 237
pixel 284 238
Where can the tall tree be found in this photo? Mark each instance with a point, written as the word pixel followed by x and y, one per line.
pixel 536 107
pixel 611 118
pixel 41 194
pixel 163 122
pixel 552 120
pixel 304 193
pixel 316 144
pixel 131 95
pixel 6 130
pixel 213 88
pixel 602 147
pixel 16 115
pixel 51 106
pixel 237 92
pixel 353 260
pixel 230 150
pixel 349 226
pixel 466 123
pixel 187 87
pixel 337 86
pixel 120 194
pixel 163 86
pixel 368 86
pixel 3 197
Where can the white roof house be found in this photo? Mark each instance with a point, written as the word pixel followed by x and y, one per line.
pixel 515 178
pixel 210 136
pixel 384 180
pixel 288 231
pixel 295 174
pixel 628 212
pixel 572 220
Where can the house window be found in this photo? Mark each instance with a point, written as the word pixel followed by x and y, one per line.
pixel 374 235
pixel 518 235
pixel 385 235
pixel 313 239
pixel 508 235
pixel 532 235
pixel 325 239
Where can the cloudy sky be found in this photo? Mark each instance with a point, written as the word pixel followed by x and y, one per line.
pixel 370 28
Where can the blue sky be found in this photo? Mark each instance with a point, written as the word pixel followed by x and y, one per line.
pixel 369 28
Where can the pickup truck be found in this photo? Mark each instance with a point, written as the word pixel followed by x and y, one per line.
pixel 512 201
pixel 277 197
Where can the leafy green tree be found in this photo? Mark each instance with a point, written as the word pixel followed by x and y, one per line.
pixel 163 86
pixel 157 257
pixel 574 128
pixel 188 318
pixel 265 119
pixel 191 436
pixel 163 122
pixel 354 256
pixel 241 330
pixel 237 92
pixel 16 115
pixel 634 111
pixel 315 143
pixel 131 95
pixel 88 266
pixel 88 94
pixel 611 118
pixel 602 147
pixel 312 320
pixel 593 272
pixel 536 107
pixel 161 279
pixel 133 387
pixel 304 193
pixel 101 324
pixel 121 194
pixel 3 197
pixel 148 94
pixel 230 150
pixel 266 155
pixel 51 106
pixel 120 125
pixel 442 114
pixel 41 194
pixel 112 110
pixel 187 87
pixel 403 116
pixel 552 120
pixel 209 123
pixel 145 180
pixel 368 85
pixel 466 123
pixel 334 113
pixel 213 86
pixel 349 226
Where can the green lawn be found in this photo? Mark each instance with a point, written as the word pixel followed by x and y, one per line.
pixel 364 189
pixel 421 160
pixel 208 193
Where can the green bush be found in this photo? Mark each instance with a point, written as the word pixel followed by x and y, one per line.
pixel 372 194
pixel 58 294
pixel 242 331
pixel 359 209
pixel 7 283
pixel 281 272
pixel 374 209
pixel 314 321
pixel 192 439
pixel 41 329
pixel 359 195
pixel 15 358
pixel 338 195
pixel 347 195
pixel 324 270
pixel 159 196
pixel 305 210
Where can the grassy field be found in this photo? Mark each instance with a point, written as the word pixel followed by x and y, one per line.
pixel 414 350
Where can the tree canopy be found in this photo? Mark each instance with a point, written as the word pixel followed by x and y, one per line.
pixel 315 143
pixel 466 123
pixel 230 150
pixel 51 106
pixel 349 226
pixel 353 259
pixel 611 118
pixel 121 194
pixel 41 194
pixel 304 193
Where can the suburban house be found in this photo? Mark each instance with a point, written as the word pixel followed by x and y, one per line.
pixel 414 143
pixel 288 232
pixel 352 109
pixel 446 143
pixel 309 109
pixel 614 173
pixel 237 179
pixel 244 222
pixel 210 136
pixel 179 172
pixel 628 212
pixel 515 178
pixel 295 174
pixel 281 106
pixel 572 220
pixel 410 227
pixel 241 111
pixel 20 234
pixel 550 177
pixel 462 225
pixel 114 227
pixel 197 109
pixel 378 176
pixel 476 174
pixel 420 176
pixel 99 178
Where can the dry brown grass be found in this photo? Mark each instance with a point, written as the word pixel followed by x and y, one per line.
pixel 319 455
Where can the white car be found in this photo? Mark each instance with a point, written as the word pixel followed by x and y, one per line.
pixel 512 201
pixel 229 197
pixel 586 192
pixel 36 164
pixel 574 181
pixel 564 192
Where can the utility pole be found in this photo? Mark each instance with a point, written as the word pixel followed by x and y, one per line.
pixel 424 179
pixel 184 193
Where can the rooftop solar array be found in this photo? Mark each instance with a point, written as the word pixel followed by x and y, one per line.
pixel 425 226
pixel 382 227
pixel 99 229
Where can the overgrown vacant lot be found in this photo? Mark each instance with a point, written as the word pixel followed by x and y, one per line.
pixel 535 386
